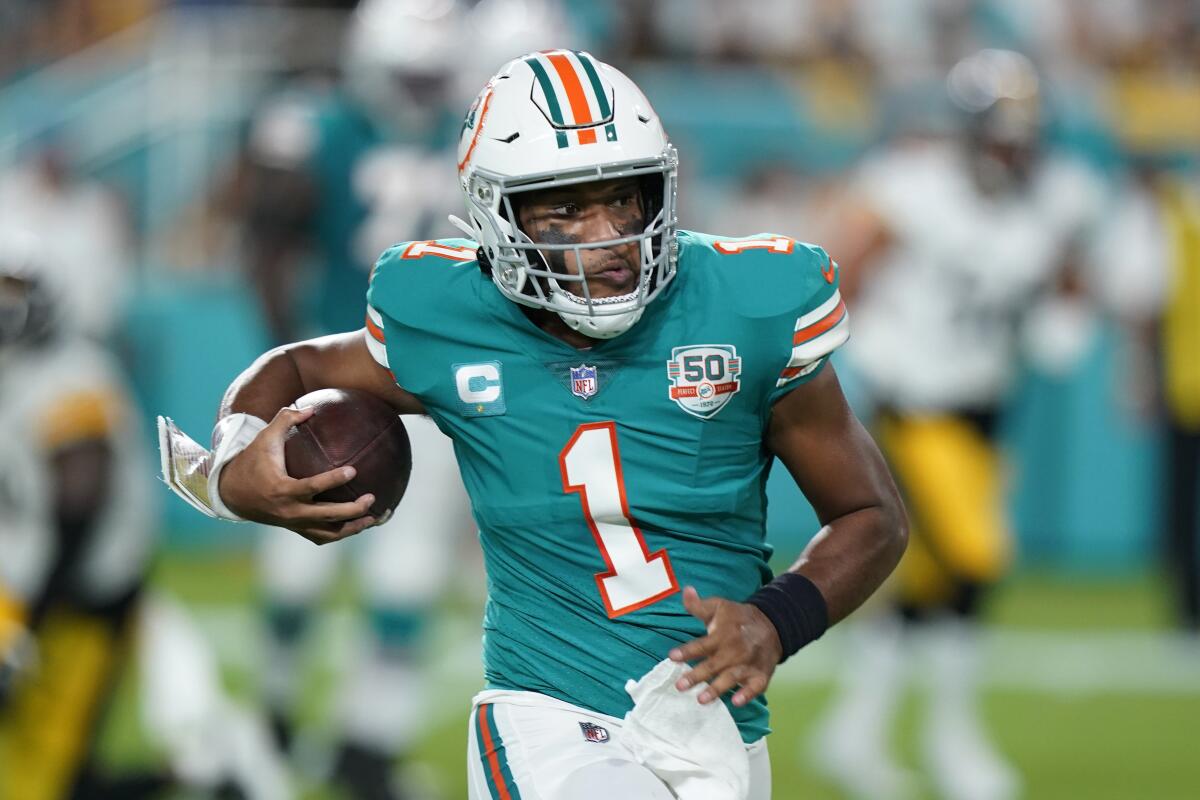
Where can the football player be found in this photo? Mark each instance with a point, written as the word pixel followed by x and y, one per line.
pixel 955 247
pixel 617 390
pixel 76 532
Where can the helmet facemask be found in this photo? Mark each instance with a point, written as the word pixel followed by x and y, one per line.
pixel 524 274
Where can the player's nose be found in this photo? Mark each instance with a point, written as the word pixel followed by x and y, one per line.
pixel 603 225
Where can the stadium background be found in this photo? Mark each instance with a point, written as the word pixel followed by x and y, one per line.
pixel 1089 691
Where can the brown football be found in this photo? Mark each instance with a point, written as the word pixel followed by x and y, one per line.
pixel 350 427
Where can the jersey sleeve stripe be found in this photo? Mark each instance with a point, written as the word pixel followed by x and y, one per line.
pixel 807 355
pixel 375 331
pixel 811 325
pixel 791 373
pixel 377 349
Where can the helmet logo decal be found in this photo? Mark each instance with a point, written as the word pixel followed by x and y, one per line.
pixel 581 100
pixel 484 100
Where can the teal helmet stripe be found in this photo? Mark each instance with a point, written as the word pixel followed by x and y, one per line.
pixel 610 130
pixel 551 98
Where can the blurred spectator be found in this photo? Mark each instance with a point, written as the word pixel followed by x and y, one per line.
pixel 1149 269
pixel 32 34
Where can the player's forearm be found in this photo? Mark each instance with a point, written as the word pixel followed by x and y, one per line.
pixel 273 381
pixel 285 374
pixel 853 555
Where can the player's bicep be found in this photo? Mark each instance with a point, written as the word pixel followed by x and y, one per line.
pixel 345 361
pixel 829 454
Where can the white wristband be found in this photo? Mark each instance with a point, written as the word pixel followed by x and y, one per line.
pixel 231 436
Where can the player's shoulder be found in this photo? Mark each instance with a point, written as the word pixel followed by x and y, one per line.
pixel 766 274
pixel 411 274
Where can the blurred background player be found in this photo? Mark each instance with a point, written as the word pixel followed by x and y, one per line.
pixel 956 246
pixel 79 221
pixel 339 168
pixel 77 536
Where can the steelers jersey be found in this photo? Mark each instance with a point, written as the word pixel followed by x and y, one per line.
pixel 604 480
pixel 937 323
pixel 50 397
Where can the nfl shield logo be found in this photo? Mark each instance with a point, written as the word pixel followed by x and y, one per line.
pixel 584 381
pixel 593 733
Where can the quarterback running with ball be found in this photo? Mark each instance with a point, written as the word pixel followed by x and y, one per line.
pixel 617 391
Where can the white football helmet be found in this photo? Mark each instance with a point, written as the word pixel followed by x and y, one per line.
pixel 400 59
pixel 557 118
pixel 28 307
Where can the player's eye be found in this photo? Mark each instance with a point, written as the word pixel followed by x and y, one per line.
pixel 624 200
pixel 565 210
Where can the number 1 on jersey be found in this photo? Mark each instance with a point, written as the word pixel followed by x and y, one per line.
pixel 591 466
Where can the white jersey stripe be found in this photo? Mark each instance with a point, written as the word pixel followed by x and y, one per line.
pixel 377 349
pixel 822 311
pixel 822 345
pixel 806 357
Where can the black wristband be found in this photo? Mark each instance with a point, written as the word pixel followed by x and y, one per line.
pixel 796 608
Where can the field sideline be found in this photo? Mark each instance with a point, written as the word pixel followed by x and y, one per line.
pixel 1087 691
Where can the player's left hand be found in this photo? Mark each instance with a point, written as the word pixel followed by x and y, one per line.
pixel 741 649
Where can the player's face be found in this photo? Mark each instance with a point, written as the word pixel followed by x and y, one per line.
pixel 589 212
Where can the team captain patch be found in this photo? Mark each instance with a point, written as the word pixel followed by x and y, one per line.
pixel 704 377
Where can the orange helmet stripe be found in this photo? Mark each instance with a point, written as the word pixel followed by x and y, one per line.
pixel 575 95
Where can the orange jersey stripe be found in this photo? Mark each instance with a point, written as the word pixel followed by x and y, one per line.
pixel 375 331
pixel 820 326
pixel 493 761
pixel 578 100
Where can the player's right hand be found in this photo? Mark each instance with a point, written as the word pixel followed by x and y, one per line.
pixel 255 486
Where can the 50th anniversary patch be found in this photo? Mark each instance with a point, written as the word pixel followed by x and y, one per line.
pixel 704 377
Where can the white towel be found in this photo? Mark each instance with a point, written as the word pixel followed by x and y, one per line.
pixel 695 749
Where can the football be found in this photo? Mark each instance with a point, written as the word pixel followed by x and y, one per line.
pixel 355 428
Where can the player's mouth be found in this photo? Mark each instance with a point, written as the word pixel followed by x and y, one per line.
pixel 618 278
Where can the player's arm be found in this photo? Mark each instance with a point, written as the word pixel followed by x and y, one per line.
pixel 255 484
pixel 838 466
pixel 842 473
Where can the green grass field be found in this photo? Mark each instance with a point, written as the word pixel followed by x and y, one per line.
pixel 1129 728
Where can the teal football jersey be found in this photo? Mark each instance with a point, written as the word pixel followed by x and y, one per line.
pixel 604 480
pixel 335 141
